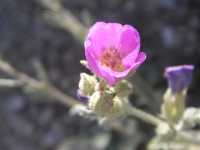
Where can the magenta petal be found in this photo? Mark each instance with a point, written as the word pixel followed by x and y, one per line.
pixel 104 35
pixel 97 69
pixel 106 73
pixel 140 59
pixel 112 77
pixel 130 58
pixel 129 41
pixel 92 64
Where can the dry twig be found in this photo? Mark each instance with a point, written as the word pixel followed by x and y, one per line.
pixel 24 80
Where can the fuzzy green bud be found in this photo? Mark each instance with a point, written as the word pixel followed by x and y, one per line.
pixel 123 88
pixel 87 84
pixel 174 105
pixel 106 104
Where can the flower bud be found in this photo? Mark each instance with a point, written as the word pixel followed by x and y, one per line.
pixel 87 84
pixel 179 77
pixel 123 88
pixel 106 104
pixel 174 105
pixel 81 96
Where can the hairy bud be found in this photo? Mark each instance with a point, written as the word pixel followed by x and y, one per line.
pixel 123 88
pixel 87 84
pixel 106 104
pixel 174 105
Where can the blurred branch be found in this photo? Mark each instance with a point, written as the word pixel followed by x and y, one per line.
pixel 63 18
pixel 146 117
pixel 173 146
pixel 183 140
pixel 41 72
pixel 9 83
pixel 36 85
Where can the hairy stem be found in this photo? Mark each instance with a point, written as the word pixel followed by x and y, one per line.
pixel 144 116
pixel 23 79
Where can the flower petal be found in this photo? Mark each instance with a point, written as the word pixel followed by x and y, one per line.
pixel 129 41
pixel 179 77
pixel 134 65
pixel 104 35
pixel 91 61
pixel 97 69
pixel 106 73
pixel 112 76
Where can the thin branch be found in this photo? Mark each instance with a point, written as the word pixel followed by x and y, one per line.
pixel 9 83
pixel 63 18
pixel 41 72
pixel 142 115
pixel 25 80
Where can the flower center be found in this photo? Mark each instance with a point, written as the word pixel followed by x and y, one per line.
pixel 111 58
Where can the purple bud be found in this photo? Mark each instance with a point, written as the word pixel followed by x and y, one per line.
pixel 81 97
pixel 179 77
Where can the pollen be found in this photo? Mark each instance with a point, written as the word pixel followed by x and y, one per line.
pixel 112 59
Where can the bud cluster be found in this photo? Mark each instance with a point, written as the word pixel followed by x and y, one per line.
pixel 103 99
pixel 179 78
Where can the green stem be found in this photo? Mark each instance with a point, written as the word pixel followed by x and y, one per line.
pixel 151 119
pixel 146 117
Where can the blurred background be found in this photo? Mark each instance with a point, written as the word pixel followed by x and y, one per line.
pixel 51 32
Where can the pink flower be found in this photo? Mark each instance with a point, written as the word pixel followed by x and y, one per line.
pixel 112 51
